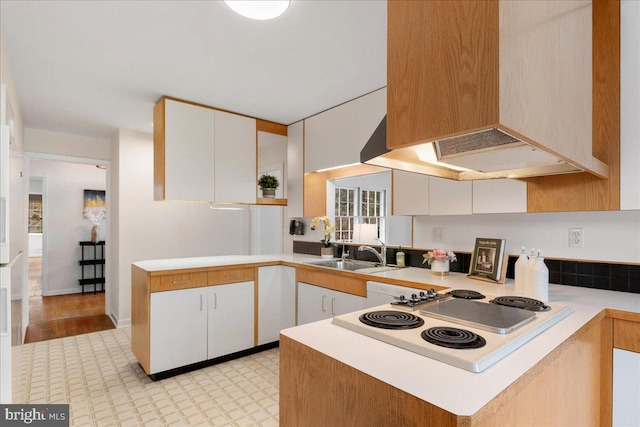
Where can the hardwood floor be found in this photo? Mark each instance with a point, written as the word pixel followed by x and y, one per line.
pixel 66 315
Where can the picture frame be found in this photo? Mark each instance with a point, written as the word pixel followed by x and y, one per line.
pixel 94 204
pixel 489 260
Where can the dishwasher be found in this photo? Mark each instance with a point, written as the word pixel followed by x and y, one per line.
pixel 384 293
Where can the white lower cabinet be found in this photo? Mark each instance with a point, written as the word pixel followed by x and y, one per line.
pixel 276 301
pixel 230 318
pixel 626 388
pixel 178 328
pixel 317 303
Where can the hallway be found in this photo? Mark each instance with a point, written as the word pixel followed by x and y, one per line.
pixel 62 315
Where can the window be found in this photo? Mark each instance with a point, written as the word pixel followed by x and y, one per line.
pixel 35 213
pixel 358 206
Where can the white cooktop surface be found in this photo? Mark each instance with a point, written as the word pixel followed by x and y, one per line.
pixel 475 360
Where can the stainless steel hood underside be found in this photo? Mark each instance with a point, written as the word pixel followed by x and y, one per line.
pixel 484 154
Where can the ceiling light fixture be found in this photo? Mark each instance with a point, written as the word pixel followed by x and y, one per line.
pixel 259 9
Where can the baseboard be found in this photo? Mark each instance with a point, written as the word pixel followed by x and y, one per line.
pixel 61 292
pixel 184 369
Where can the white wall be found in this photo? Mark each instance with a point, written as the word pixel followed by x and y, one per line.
pixel 157 230
pixel 608 236
pixel 64 224
pixel 66 144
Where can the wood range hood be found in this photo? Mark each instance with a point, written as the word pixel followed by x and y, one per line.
pixel 489 89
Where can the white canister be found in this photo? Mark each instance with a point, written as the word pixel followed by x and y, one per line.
pixel 521 272
pixel 541 279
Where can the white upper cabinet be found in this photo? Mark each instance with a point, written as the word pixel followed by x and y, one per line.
pixel 336 136
pixel 449 197
pixel 410 193
pixel 189 135
pixel 202 154
pixel 629 104
pixel 499 196
pixel 295 169
pixel 235 158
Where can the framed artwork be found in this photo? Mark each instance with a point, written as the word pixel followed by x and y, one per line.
pixel 489 260
pixel 95 207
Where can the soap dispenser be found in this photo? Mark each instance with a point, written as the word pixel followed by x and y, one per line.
pixel 400 257
pixel 521 272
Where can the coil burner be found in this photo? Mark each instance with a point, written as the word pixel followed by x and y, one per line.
pixel 449 337
pixel 466 294
pixel 524 303
pixel 388 319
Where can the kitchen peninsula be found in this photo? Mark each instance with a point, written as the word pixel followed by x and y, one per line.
pixel 561 377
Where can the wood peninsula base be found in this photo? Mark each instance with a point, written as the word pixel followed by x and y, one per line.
pixel 571 386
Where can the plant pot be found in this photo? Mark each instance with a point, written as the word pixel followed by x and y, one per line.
pixel 326 252
pixel 440 268
pixel 94 234
pixel 269 192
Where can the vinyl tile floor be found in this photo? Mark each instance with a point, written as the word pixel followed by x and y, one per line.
pixel 98 375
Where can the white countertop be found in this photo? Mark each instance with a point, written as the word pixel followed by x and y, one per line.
pixel 220 261
pixel 452 389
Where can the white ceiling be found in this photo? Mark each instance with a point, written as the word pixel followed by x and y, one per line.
pixel 91 67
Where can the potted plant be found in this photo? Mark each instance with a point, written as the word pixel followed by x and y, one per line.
pixel 268 184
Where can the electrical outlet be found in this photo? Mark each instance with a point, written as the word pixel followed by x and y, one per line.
pixel 437 234
pixel 576 238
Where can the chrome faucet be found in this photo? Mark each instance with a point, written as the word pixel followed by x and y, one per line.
pixel 382 256
pixel 345 252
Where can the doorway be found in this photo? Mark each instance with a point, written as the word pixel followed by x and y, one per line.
pixel 58 228
pixel 35 230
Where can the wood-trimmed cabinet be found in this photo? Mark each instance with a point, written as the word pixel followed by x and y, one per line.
pixel 203 154
pixel 230 321
pixel 178 328
pixel 276 301
pixel 318 303
pixel 626 372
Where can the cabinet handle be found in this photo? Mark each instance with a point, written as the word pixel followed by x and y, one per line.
pixel 333 312
pixel 323 298
pixel 233 276
pixel 177 282
pixel 200 302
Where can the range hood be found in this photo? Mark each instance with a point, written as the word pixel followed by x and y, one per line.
pixel 491 89
pixel 485 154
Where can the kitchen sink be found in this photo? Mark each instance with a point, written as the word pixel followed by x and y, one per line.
pixel 352 265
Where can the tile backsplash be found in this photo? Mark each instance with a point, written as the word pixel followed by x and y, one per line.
pixel 586 274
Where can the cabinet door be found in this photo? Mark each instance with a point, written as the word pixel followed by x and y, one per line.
pixel 410 193
pixel 342 303
pixel 178 322
pixel 313 303
pixel 235 158
pixel 276 301
pixel 189 135
pixel 336 136
pixel 230 318
pixel 626 388
pixel 629 105
pixel 499 196
pixel 449 197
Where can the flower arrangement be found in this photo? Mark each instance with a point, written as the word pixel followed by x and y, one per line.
pixel 328 229
pixel 94 210
pixel 438 255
